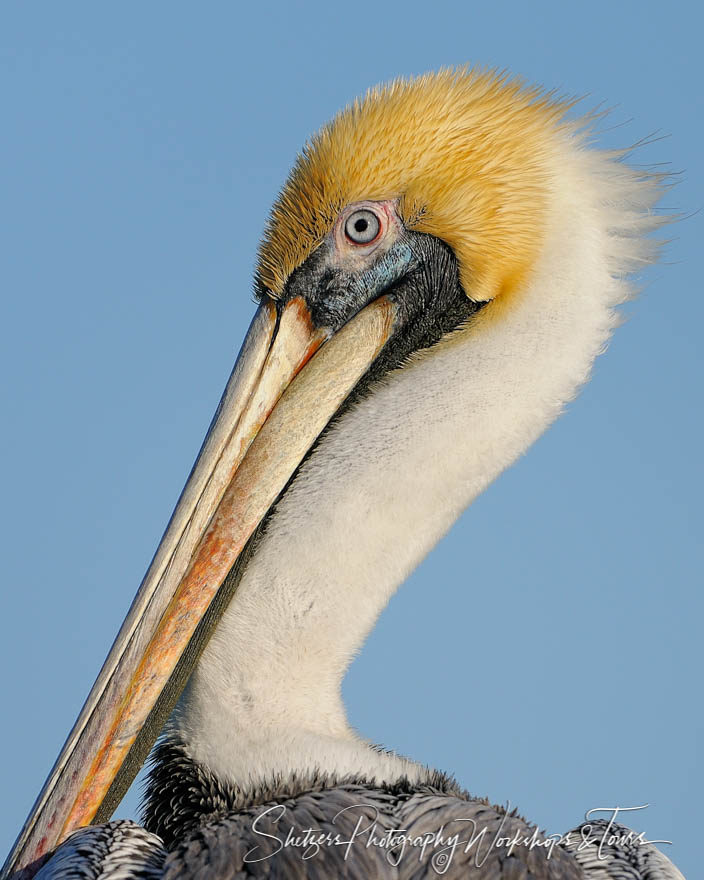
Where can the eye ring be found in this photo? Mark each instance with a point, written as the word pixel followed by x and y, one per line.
pixel 362 227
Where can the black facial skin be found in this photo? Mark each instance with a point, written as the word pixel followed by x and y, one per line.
pixel 419 273
pixel 431 304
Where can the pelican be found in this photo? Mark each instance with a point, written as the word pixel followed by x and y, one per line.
pixel 436 278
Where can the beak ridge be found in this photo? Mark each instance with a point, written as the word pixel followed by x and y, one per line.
pixel 285 387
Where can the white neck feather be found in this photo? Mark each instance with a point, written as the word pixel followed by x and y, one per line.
pixel 388 481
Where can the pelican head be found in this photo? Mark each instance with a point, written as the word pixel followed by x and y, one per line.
pixel 436 278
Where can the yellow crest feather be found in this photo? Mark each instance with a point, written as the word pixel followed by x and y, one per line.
pixel 465 153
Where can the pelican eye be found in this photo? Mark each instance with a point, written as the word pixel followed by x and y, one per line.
pixel 362 226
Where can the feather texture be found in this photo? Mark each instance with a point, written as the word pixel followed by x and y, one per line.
pixel 467 154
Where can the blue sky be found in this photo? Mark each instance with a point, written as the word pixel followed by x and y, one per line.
pixel 548 650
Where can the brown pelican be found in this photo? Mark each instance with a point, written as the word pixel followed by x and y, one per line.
pixel 436 279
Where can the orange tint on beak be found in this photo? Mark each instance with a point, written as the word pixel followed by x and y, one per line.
pixel 282 393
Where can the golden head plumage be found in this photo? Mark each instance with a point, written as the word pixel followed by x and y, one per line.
pixel 464 152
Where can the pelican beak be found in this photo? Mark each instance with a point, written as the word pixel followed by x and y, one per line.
pixel 289 380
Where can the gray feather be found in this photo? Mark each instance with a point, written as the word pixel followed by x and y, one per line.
pixel 251 843
pixel 118 850
pixel 318 827
pixel 612 852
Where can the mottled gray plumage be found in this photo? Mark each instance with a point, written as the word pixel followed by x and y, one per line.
pixel 202 828
pixel 609 851
pixel 119 850
pixel 360 833
pixel 196 796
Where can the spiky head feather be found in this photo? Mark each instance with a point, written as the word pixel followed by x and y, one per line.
pixel 466 154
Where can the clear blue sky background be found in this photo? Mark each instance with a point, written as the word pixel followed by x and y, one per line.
pixel 548 652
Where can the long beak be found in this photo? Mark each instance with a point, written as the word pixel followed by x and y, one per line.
pixel 285 387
